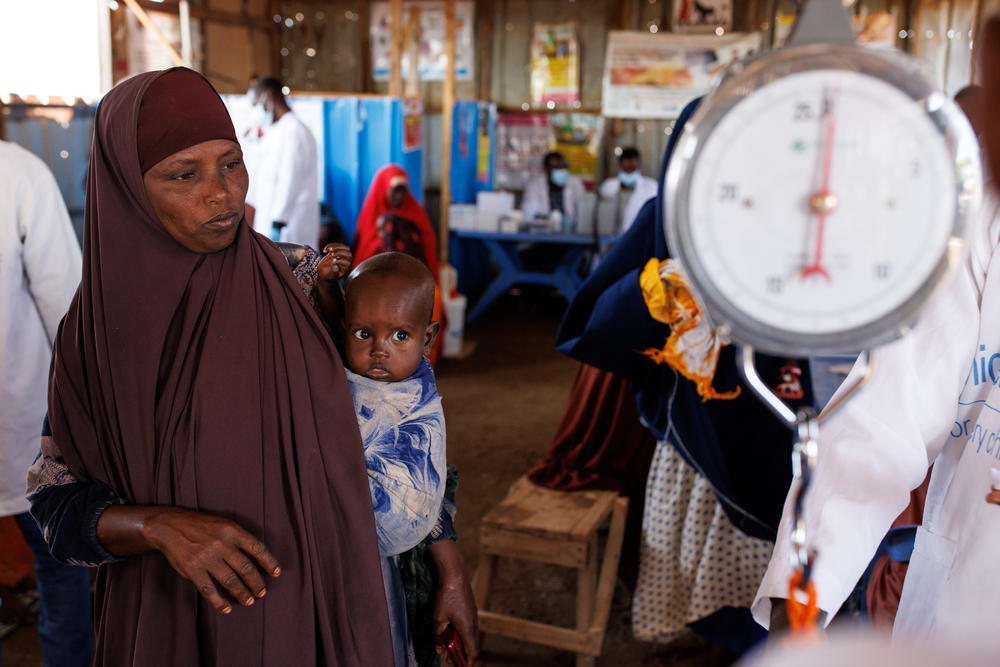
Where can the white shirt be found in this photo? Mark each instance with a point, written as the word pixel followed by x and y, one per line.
pixel 40 267
pixel 283 180
pixel 924 404
pixel 535 200
pixel 644 190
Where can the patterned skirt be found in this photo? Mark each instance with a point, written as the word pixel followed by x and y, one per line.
pixel 693 562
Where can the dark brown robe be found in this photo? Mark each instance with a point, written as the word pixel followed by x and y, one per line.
pixel 207 382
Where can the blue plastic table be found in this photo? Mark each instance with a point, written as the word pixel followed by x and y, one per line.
pixel 566 276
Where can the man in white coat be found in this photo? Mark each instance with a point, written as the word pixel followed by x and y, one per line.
pixel 630 188
pixel 40 265
pixel 555 190
pixel 935 398
pixel 284 172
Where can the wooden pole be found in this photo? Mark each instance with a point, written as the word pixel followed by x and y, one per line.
pixel 396 49
pixel 148 24
pixel 413 49
pixel 447 109
pixel 484 37
pixel 625 15
pixel 617 127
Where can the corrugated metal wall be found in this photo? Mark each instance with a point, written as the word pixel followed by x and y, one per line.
pixel 334 30
pixel 321 45
pixel 510 59
pixel 233 53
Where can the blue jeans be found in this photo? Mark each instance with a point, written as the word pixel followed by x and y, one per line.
pixel 65 629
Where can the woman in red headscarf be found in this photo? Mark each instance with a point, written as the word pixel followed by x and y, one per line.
pixel 203 439
pixel 392 220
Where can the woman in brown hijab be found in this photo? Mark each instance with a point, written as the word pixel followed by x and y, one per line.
pixel 193 379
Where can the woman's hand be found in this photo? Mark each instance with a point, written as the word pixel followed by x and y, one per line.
pixel 453 600
pixel 208 550
pixel 336 262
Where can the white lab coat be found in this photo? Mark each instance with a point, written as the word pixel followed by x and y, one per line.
pixel 535 200
pixel 643 191
pixel 283 178
pixel 40 267
pixel 924 404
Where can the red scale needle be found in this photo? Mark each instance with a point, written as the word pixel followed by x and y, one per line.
pixel 823 202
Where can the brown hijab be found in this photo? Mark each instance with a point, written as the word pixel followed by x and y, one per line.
pixel 207 382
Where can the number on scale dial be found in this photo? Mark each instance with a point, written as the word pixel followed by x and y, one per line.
pixel 822 202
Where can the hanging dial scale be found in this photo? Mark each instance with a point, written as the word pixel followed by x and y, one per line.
pixel 815 199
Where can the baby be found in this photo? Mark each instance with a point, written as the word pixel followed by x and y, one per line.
pixel 388 330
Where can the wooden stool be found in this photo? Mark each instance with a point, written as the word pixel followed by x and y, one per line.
pixel 558 527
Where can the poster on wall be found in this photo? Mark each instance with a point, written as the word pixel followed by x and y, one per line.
pixel 555 65
pixel 655 75
pixel 876 29
pixel 523 139
pixel 783 24
pixel 578 137
pixel 702 15
pixel 484 147
pixel 522 142
pixel 413 118
pixel 432 59
pixel 873 29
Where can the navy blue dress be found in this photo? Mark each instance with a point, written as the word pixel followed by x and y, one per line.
pixel 737 445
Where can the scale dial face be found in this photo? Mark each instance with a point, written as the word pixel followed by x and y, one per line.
pixel 816 210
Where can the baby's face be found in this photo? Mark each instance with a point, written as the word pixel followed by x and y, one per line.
pixel 387 332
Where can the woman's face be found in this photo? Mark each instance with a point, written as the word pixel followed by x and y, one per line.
pixel 397 195
pixel 199 194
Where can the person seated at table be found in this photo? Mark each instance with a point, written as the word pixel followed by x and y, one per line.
pixel 392 220
pixel 630 188
pixel 555 190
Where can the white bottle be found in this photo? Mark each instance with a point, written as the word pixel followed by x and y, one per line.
pixel 555 220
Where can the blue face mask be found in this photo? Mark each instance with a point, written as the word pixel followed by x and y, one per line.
pixel 628 179
pixel 559 177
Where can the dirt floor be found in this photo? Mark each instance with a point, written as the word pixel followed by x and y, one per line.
pixel 502 405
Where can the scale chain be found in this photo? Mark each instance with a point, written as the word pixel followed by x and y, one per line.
pixel 804 453
pixel 802 609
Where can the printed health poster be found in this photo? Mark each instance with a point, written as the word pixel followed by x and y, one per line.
pixel 578 137
pixel 650 75
pixel 555 65
pixel 432 59
pixel 523 139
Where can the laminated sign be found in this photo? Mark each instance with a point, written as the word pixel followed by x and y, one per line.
pixel 432 59
pixel 555 65
pixel 655 75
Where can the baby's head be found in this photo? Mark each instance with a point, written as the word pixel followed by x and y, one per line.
pixel 389 302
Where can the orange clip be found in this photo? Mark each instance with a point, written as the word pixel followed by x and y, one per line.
pixel 802 616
